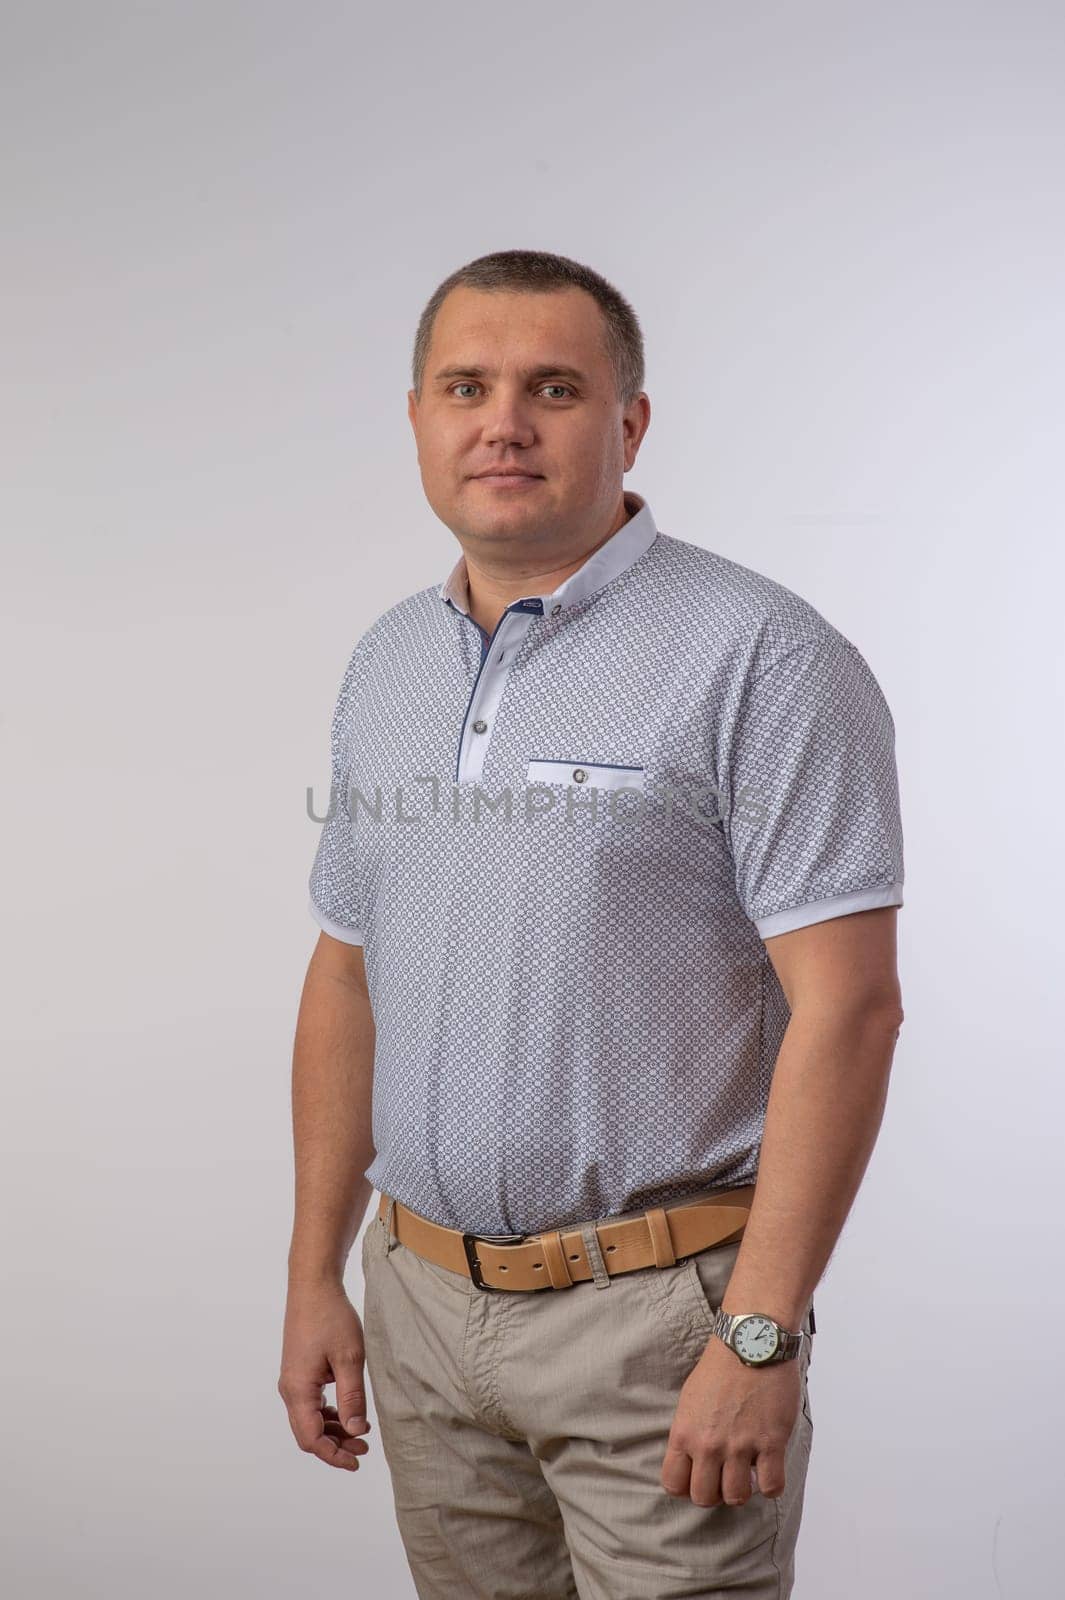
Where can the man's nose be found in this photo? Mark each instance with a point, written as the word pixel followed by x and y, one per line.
pixel 508 420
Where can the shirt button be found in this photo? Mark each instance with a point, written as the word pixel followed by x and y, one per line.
pixel 555 610
pixel 479 726
pixel 579 774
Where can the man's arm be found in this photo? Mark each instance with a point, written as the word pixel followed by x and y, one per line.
pixel 825 1106
pixel 332 1093
pixel 733 1422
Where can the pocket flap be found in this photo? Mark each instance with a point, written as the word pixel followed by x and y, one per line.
pixel 586 774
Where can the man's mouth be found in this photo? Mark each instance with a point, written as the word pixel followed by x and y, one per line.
pixel 503 478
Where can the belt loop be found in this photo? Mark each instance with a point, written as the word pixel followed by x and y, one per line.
pixel 661 1238
pixel 388 1224
pixel 590 1235
pixel 555 1259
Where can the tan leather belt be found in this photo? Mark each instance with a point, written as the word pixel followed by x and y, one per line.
pixel 558 1258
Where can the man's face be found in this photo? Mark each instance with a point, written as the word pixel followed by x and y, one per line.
pixel 522 381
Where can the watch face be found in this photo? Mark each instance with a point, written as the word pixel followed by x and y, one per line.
pixel 755 1338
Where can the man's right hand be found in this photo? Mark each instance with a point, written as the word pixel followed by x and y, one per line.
pixel 323 1343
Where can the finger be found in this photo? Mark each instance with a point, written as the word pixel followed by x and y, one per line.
pixel 351 1395
pixel 331 1414
pixel 334 1429
pixel 676 1470
pixel 304 1406
pixel 771 1473
pixel 706 1478
pixel 736 1480
pixel 335 1455
pixel 354 1446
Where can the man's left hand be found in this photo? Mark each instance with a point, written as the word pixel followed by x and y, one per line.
pixel 731 1428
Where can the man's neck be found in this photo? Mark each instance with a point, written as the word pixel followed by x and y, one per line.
pixel 489 594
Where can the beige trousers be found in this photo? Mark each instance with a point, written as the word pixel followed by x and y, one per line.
pixel 525 1432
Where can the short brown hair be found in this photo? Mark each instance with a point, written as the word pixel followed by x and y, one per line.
pixel 539 272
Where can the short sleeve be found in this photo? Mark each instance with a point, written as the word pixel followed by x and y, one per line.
pixel 812 799
pixel 337 897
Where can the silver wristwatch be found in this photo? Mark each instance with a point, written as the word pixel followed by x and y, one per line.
pixel 756 1338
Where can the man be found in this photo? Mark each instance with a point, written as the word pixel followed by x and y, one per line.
pixel 607 966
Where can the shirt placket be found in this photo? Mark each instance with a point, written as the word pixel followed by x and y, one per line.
pixel 498 654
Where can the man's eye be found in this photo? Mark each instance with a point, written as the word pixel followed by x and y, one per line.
pixel 468 384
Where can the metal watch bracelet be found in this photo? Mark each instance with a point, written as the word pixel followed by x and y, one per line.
pixel 788 1346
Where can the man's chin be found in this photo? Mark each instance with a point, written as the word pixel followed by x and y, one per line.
pixel 487 506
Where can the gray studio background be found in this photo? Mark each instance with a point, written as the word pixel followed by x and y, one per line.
pixel 841 227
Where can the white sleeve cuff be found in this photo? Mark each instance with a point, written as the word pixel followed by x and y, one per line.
pixel 840 905
pixel 335 929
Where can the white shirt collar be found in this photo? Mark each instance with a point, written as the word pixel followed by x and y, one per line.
pixel 625 546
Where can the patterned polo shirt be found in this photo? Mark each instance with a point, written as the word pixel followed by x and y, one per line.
pixel 562 847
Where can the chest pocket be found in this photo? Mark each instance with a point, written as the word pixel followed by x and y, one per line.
pixel 586 774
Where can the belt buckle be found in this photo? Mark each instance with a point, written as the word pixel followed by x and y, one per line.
pixel 469 1244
